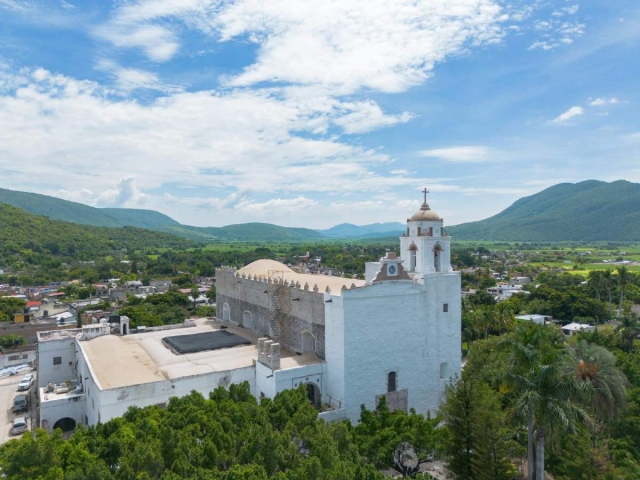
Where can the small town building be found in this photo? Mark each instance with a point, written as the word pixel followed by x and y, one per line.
pixel 573 328
pixel 535 318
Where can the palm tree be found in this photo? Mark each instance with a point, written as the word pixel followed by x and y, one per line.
pixel 558 387
pixel 195 294
pixel 623 279
pixel 503 316
pixel 629 329
pixel 604 384
pixel 596 280
pixel 607 282
pixel 546 399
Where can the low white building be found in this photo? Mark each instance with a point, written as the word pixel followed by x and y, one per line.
pixel 573 328
pixel 350 342
pixel 535 318
pixel 503 291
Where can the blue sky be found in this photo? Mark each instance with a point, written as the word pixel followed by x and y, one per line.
pixel 306 113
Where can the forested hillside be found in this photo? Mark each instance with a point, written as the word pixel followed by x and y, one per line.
pixel 135 217
pixel 587 211
pixel 58 209
pixel 21 232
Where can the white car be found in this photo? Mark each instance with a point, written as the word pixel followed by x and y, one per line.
pixel 26 382
pixel 19 426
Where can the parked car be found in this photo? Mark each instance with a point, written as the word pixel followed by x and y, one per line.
pixel 26 382
pixel 19 426
pixel 21 403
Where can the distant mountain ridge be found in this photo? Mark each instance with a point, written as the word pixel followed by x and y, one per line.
pixel 21 232
pixel 346 230
pixel 589 211
pixel 73 212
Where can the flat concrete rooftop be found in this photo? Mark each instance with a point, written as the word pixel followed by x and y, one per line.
pixel 120 361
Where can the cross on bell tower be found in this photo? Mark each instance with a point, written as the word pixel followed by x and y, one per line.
pixel 425 191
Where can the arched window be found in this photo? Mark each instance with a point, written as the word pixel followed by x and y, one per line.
pixel 226 313
pixel 246 319
pixel 308 342
pixel 391 382
pixel 437 251
pixel 413 249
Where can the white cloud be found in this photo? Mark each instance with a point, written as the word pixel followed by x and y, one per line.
pixel 386 45
pixel 129 79
pixel 365 116
pixel 572 112
pixel 470 154
pixel 559 28
pixel 158 42
pixel 77 133
pixel 602 101
pixel 125 194
pixel 13 5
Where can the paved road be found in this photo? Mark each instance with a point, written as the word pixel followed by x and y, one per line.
pixel 8 390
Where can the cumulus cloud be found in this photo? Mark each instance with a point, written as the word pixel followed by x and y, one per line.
pixel 386 45
pixel 572 112
pixel 69 130
pixel 472 154
pixel 125 194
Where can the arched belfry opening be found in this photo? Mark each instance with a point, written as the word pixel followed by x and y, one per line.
pixel 413 251
pixel 437 257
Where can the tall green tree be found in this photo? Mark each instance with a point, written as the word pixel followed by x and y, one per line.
pixel 477 446
pixel 545 400
pixel 628 329
pixel 596 281
pixel 608 283
pixel 195 294
pixel 560 388
pixel 624 276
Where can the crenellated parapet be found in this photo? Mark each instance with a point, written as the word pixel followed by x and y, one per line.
pixel 269 353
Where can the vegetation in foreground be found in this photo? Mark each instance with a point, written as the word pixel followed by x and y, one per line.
pixel 572 408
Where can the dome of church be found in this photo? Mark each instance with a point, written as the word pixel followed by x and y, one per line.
pixel 425 214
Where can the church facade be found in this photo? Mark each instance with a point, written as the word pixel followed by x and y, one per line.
pixel 397 333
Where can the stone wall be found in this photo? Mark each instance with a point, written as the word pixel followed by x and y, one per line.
pixel 245 294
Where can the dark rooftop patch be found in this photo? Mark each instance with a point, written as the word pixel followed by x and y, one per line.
pixel 200 342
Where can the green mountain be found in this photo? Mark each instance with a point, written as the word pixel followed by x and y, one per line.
pixel 588 211
pixel 244 231
pixel 22 232
pixel 139 218
pixel 58 209
pixel 374 230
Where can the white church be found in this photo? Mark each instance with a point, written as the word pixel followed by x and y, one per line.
pixel 397 334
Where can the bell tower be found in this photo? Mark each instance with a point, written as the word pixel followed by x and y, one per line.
pixel 425 248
